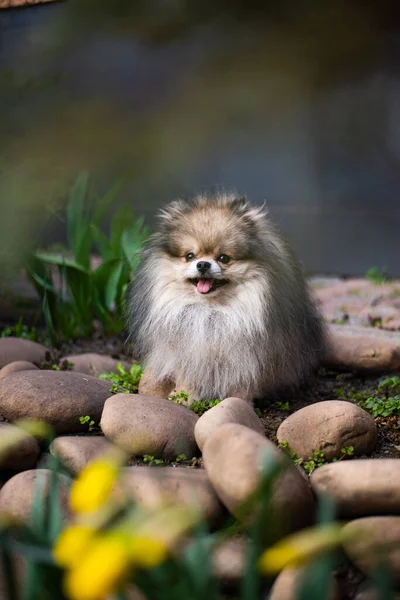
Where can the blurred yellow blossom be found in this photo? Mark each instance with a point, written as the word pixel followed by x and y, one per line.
pixel 147 552
pixel 71 544
pixel 300 548
pixel 93 486
pixel 100 570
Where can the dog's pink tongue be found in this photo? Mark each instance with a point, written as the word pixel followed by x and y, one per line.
pixel 204 285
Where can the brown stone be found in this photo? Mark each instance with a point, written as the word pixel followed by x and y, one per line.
pixel 77 451
pixel 145 425
pixel 361 487
pixel 16 349
pixel 230 410
pixel 17 365
pixel 363 348
pixel 155 487
pixel 58 397
pixel 22 454
pixel 16 496
pixel 288 584
pixel 329 426
pixel 372 539
pixel 233 457
pixel 95 364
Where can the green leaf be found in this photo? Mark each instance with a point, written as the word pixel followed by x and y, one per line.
pixel 102 242
pixel 111 289
pixel 61 261
pixel 104 204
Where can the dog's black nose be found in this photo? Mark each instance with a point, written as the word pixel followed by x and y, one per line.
pixel 203 266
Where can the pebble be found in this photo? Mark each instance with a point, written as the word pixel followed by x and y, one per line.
pixel 363 348
pixel 145 425
pixel 16 496
pixel 58 397
pixel 95 364
pixel 230 410
pixel 368 540
pixel 17 365
pixel 156 486
pixel 288 584
pixel 329 426
pixel 233 456
pixel 76 451
pixel 361 487
pixel 15 349
pixel 22 455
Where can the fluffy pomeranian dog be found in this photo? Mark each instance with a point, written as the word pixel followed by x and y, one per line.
pixel 219 306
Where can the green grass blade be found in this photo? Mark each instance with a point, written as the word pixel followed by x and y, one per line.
pixel 60 261
pixel 105 203
pixel 102 243
pixel 9 578
pixel 112 284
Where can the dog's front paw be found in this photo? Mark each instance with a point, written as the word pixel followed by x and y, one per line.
pixel 151 386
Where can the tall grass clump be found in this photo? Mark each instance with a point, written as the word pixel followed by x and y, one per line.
pixel 74 292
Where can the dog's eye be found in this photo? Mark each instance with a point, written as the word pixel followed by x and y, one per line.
pixel 189 256
pixel 224 258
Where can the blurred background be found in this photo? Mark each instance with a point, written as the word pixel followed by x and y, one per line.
pixel 293 102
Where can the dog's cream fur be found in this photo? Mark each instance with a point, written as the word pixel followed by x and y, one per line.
pixel 256 334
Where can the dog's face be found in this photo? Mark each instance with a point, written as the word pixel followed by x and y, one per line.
pixel 207 250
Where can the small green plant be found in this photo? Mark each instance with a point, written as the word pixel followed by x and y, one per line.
pixel 201 407
pixel 74 292
pixel 377 276
pixel 389 385
pixel 316 459
pixel 283 406
pixel 346 451
pixel 180 458
pixel 197 406
pixel 124 382
pixel 153 462
pixel 20 330
pixel 89 422
pixel 258 412
pixel 179 397
pixel 382 402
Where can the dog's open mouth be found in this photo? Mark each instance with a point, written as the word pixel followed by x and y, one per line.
pixel 207 285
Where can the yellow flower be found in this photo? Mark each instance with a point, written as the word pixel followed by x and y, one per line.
pixel 93 486
pixel 300 548
pixel 71 544
pixel 100 570
pixel 147 552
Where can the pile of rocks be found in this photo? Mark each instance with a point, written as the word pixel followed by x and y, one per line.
pixel 231 439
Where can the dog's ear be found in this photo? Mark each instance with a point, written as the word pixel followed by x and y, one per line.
pixel 172 211
pixel 242 207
